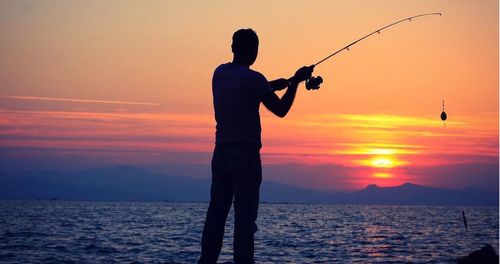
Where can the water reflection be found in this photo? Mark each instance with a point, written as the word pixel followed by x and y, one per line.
pixel 90 232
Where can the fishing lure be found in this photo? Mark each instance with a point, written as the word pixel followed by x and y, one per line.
pixel 444 116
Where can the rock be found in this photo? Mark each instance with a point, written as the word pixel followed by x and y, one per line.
pixel 485 255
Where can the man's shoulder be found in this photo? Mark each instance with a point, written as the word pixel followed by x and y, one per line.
pixel 256 74
pixel 222 67
pixel 237 69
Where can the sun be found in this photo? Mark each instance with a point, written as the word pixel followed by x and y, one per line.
pixel 384 162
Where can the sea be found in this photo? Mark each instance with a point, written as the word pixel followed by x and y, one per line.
pixel 164 232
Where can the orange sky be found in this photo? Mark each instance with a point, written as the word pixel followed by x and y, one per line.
pixel 375 119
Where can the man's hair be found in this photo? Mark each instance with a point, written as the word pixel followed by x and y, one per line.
pixel 244 41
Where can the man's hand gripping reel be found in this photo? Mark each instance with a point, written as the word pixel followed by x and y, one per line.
pixel 313 83
pixel 302 74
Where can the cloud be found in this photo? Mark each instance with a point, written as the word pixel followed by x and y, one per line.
pixel 115 130
pixel 39 98
pixel 304 150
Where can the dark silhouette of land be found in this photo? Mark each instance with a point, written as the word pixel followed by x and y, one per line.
pixel 486 255
pixel 127 183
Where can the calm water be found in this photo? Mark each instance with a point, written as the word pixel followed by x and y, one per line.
pixel 121 232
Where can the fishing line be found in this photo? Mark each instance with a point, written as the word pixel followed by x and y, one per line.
pixel 378 31
pixel 313 82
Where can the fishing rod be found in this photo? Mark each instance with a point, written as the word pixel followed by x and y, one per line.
pixel 313 83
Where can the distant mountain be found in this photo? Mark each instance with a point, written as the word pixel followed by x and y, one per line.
pixel 412 194
pixel 115 183
pixel 127 183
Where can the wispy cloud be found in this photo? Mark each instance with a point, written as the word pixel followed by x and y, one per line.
pixel 119 131
pixel 40 98
pixel 360 149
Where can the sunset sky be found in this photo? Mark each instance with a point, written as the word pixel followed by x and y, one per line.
pixel 87 84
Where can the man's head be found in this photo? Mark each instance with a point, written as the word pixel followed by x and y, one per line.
pixel 245 46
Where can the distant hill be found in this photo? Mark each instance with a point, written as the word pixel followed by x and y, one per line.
pixel 412 194
pixel 127 183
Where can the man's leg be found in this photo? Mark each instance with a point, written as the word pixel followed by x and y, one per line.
pixel 221 197
pixel 246 184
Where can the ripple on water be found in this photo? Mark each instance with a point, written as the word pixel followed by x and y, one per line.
pixel 120 232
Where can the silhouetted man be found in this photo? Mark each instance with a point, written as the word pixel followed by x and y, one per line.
pixel 236 166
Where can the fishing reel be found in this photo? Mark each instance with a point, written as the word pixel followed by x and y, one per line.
pixel 313 83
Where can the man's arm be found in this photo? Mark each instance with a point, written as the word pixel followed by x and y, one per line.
pixel 281 106
pixel 279 84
